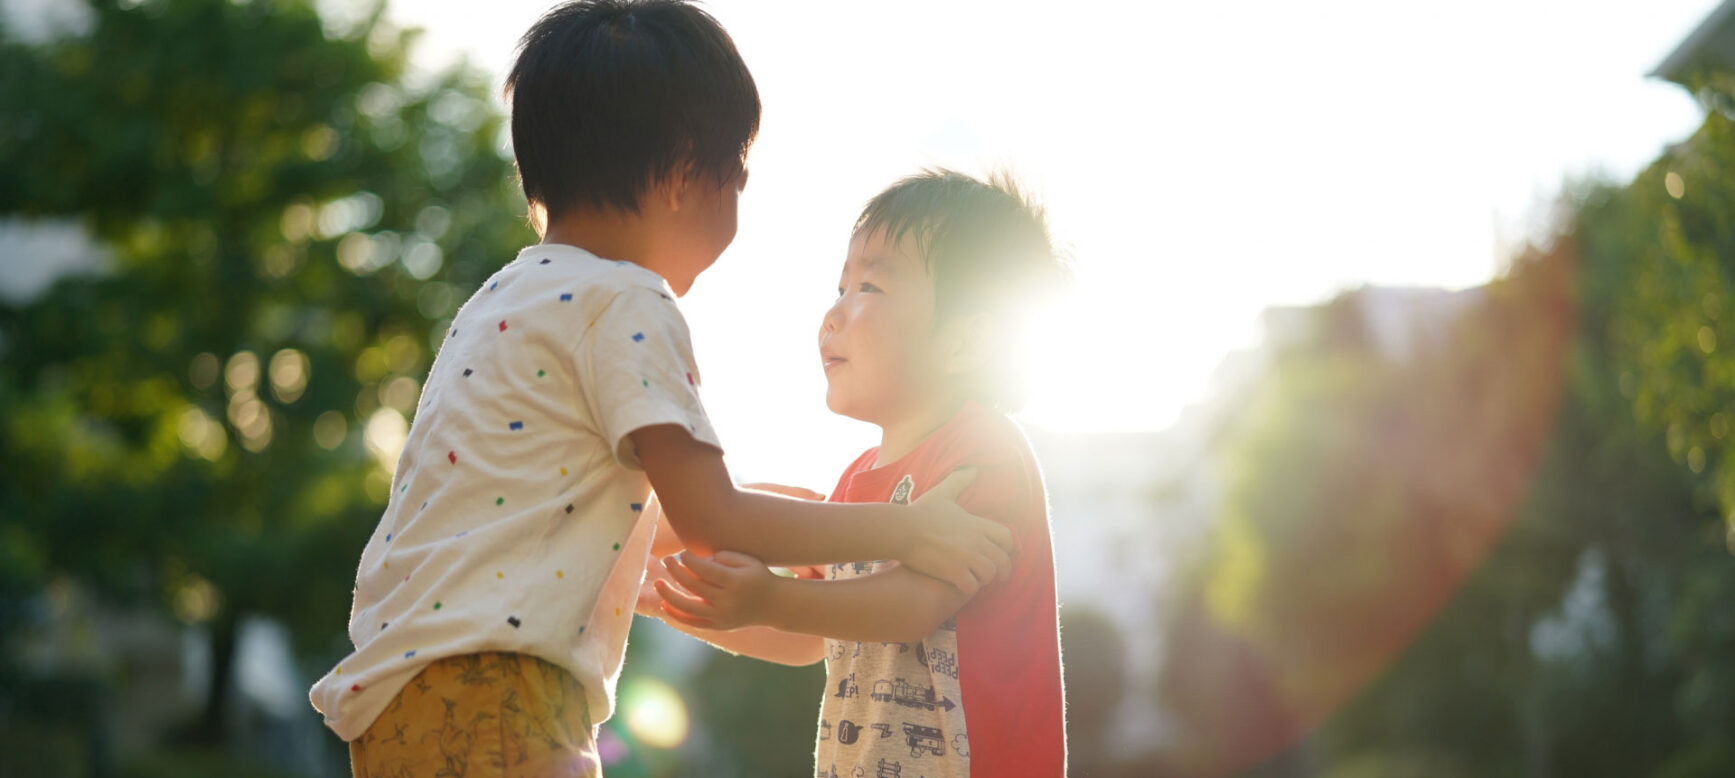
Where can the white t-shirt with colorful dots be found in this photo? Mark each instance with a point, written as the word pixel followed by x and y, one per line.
pixel 511 524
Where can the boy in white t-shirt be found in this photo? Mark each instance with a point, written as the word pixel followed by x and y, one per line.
pixel 487 625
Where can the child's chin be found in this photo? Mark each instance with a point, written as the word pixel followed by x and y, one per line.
pixel 842 407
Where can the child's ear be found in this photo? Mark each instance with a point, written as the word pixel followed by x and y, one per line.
pixel 673 189
pixel 682 182
pixel 538 216
pixel 973 343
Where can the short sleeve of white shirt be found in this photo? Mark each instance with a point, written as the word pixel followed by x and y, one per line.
pixel 638 367
pixel 514 518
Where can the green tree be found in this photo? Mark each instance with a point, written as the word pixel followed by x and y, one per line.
pixel 290 218
pixel 1671 326
pixel 1362 490
pixel 1485 560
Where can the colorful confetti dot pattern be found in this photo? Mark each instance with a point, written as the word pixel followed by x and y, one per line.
pixel 499 408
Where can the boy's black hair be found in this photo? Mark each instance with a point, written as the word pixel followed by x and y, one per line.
pixel 987 246
pixel 611 96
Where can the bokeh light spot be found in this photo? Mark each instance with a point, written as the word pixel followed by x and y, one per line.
pixel 384 435
pixel 289 374
pixel 401 394
pixel 242 374
pixel 655 713
pixel 330 429
pixel 203 371
pixel 196 600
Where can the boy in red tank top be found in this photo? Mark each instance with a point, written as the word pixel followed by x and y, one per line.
pixel 921 678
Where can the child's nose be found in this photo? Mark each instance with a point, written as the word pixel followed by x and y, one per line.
pixel 833 317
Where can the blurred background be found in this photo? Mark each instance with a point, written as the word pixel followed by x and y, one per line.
pixel 1387 431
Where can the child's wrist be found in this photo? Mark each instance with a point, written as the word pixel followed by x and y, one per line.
pixel 774 603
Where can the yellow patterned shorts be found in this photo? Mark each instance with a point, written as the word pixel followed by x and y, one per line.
pixel 488 715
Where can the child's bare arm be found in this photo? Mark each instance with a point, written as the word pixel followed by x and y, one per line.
pixel 763 643
pixel 667 542
pixel 733 590
pixel 708 512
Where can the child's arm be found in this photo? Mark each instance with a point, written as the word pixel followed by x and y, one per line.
pixel 705 508
pixel 764 643
pixel 665 542
pixel 733 590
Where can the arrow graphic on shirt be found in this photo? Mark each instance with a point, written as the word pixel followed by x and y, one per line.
pixel 947 703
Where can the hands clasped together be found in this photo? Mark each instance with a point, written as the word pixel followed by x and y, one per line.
pixel 731 590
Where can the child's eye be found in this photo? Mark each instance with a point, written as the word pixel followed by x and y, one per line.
pixel 867 287
pixel 840 291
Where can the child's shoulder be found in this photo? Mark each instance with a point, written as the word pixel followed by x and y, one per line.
pixel 983 437
pixel 987 440
pixel 1009 482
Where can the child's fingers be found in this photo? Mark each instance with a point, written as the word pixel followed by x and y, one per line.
pixel 965 580
pixel 999 534
pixel 983 569
pixel 691 562
pixel 675 614
pixel 703 567
pixel 687 578
pixel 999 560
pixel 681 599
pixel 724 570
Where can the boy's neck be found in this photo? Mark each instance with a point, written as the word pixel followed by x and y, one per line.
pixel 898 438
pixel 614 235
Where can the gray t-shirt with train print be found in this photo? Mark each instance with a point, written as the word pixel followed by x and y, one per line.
pixel 892 710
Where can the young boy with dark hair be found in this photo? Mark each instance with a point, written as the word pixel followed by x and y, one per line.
pixel 493 601
pixel 921 678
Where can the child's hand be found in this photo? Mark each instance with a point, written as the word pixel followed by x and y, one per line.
pixel 725 592
pixel 956 546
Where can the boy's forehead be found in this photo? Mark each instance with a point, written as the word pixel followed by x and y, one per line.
pixel 872 251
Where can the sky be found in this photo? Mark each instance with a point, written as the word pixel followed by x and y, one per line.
pixel 1202 161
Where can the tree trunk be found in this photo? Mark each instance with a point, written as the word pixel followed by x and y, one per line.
pixel 213 726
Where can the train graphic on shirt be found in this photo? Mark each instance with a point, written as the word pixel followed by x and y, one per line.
pixel 922 740
pixel 904 693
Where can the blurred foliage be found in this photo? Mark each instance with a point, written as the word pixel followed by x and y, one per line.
pixel 761 718
pixel 1095 681
pixel 1499 555
pixel 288 217
pixel 1672 326
pixel 197 764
